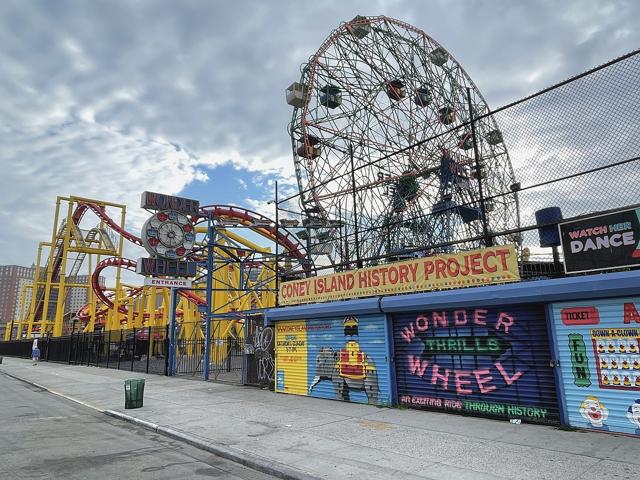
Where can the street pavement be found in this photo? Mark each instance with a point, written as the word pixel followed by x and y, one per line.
pixel 313 438
pixel 43 436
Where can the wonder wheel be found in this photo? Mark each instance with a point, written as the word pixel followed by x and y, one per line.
pixel 375 88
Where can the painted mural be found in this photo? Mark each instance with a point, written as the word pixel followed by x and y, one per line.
pixel 481 361
pixel 343 358
pixel 598 343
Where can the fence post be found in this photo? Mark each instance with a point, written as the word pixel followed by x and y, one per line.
pixel 48 340
pixel 70 348
pixel 166 351
pixel 206 356
pixel 172 331
pixel 148 347
pixel 119 349
pixel 108 348
pixel 89 345
pixel 355 215
pixel 488 240
pixel 133 348
pixel 100 344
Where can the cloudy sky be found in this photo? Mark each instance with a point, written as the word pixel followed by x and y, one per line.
pixel 105 99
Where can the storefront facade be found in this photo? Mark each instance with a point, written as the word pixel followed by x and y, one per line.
pixel 598 345
pixel 498 351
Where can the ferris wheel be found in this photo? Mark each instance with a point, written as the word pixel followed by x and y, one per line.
pixel 374 88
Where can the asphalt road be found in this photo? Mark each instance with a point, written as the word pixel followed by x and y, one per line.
pixel 44 436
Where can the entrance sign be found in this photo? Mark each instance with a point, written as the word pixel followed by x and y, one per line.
pixel 601 242
pixel 168 282
pixel 473 268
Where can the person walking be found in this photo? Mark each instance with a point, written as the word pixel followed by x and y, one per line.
pixel 35 354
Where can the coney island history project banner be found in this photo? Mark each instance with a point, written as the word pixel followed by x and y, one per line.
pixel 473 268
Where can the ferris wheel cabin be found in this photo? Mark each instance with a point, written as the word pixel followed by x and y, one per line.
pixel 423 96
pixel 494 137
pixel 396 90
pixel 296 94
pixel 307 147
pixel 465 142
pixel 359 26
pixel 439 56
pixel 331 96
pixel 447 115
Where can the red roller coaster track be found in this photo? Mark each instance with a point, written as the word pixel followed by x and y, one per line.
pixel 237 215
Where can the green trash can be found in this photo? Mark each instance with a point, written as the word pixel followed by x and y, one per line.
pixel 133 393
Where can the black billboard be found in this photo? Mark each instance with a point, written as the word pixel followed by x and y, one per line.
pixel 601 242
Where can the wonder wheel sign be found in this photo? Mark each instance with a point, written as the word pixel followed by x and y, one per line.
pixel 168 234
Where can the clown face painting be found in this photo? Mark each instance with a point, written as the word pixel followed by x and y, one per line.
pixel 594 411
pixel 633 414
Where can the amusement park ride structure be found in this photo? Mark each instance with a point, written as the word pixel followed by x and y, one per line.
pixel 235 276
pixel 383 125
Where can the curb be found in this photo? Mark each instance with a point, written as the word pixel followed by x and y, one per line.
pixel 242 457
pixel 46 389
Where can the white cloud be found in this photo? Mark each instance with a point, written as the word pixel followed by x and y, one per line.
pixel 107 99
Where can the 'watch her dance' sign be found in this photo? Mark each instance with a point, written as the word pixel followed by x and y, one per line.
pixel 472 268
pixel 601 242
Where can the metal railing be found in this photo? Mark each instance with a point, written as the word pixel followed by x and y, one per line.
pixel 141 350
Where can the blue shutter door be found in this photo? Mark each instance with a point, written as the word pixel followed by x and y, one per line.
pixel 492 362
pixel 345 358
pixel 598 342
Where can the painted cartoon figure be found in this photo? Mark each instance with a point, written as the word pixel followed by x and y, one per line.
pixel 622 346
pixel 348 368
pixel 633 414
pixel 594 411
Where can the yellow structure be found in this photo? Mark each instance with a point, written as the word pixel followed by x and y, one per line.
pixel 63 257
pixel 243 279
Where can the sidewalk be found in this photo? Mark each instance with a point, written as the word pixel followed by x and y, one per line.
pixel 314 438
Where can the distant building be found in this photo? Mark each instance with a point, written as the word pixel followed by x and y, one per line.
pixel 77 297
pixel 13 280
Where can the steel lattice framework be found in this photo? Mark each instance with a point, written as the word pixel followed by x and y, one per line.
pixel 376 87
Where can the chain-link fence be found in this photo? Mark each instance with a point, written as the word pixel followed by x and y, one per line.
pixel 480 179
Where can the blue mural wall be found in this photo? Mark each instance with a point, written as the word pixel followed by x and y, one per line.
pixel 483 361
pixel 340 358
pixel 598 342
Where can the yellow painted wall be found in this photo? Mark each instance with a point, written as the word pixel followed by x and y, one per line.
pixel 291 357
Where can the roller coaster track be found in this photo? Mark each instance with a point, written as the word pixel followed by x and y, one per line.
pixel 258 223
pixel 58 249
pixel 223 214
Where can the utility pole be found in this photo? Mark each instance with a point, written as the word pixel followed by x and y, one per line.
pixel 355 206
